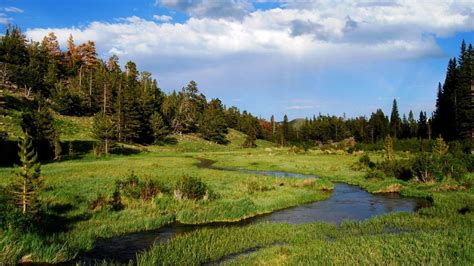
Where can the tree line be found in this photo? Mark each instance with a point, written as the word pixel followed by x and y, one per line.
pixel 453 118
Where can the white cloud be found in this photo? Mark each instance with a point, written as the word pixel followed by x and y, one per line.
pixel 163 18
pixel 12 9
pixel 236 9
pixel 299 107
pixel 265 44
pixel 4 19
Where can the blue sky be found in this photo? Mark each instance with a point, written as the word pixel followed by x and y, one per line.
pixel 297 58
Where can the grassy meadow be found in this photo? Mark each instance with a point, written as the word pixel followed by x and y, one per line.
pixel 440 234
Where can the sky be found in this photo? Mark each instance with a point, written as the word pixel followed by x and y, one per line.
pixel 299 58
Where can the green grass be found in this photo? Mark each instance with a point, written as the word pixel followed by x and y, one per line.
pixel 76 183
pixel 434 235
pixel 74 128
pixel 391 239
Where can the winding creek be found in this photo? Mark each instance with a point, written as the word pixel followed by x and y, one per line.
pixel 347 202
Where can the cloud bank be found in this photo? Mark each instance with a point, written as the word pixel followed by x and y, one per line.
pixel 231 44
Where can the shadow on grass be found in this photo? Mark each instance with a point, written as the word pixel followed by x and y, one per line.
pixel 56 219
pixel 121 150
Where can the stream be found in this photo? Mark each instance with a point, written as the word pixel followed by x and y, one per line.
pixel 347 202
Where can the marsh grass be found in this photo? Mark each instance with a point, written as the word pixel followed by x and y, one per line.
pixel 72 185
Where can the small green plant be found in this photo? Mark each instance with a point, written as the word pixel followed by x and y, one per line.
pixel 388 145
pixel 26 181
pixel 254 186
pixel 440 147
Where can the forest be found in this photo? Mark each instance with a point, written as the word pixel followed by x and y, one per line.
pixel 130 107
pixel 156 160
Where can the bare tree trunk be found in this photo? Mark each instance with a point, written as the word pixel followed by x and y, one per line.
pixel 80 77
pixel 90 90
pixel 24 199
pixel 106 147
pixel 120 113
pixel 105 97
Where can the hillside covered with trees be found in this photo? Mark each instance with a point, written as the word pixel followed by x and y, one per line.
pixel 129 107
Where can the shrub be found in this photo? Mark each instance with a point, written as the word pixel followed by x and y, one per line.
pixel 453 167
pixel 400 169
pixel 375 174
pixel 426 168
pixel 114 203
pixel 133 188
pixel 365 160
pixel 149 190
pixel 189 187
pixel 129 186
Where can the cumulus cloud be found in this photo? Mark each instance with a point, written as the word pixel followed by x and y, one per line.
pixel 236 9
pixel 267 44
pixel 163 18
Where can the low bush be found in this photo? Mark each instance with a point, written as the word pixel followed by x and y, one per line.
pixel 192 188
pixel 133 187
pixel 375 174
pixel 400 169
pixel 114 203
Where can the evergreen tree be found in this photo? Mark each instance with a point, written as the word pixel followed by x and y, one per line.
pixel 285 126
pixel 130 108
pixel 103 130
pixel 378 126
pixel 40 126
pixel 213 125
pixel 191 105
pixel 26 181
pixel 13 56
pixel 159 128
pixel 395 122
pixel 440 147
pixel 413 124
pixel 250 140
pixel 273 124
pixel 422 126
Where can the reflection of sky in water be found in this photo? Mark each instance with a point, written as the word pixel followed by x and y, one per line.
pixel 346 202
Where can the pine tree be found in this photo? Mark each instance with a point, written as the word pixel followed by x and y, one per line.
pixel 422 126
pixel 40 125
pixel 13 56
pixel 51 44
pixel 395 122
pixel 272 121
pixel 250 140
pixel 413 124
pixel 131 120
pixel 26 181
pixel 285 130
pixel 465 119
pixel 213 125
pixel 191 105
pixel 159 128
pixel 103 129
